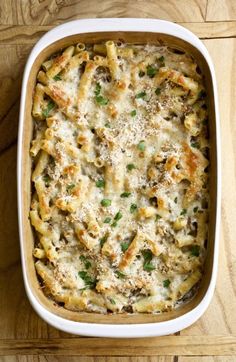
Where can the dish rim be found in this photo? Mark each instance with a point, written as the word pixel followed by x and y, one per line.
pixel 119 330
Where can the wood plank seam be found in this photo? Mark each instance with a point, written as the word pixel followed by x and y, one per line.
pixel 9 110
pixel 28 34
pixel 4 150
pixel 161 346
pixel 218 37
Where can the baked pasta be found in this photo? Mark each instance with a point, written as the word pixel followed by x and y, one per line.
pixel 120 177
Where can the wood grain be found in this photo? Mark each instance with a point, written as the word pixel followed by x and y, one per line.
pixel 114 359
pixel 167 346
pixel 29 34
pixel 224 301
pixel 218 10
pixel 38 12
pixel 211 30
pixel 24 337
pixel 22 34
pixel 12 61
pixel 84 359
pixel 207 359
pixel 25 324
pixel 9 126
pixel 8 225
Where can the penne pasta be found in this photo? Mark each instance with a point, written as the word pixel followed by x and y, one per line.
pixel 120 192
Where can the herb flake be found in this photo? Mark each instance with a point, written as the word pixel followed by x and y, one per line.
pixel 88 280
pixel 101 100
pixel 195 145
pixel 124 246
pixel 151 72
pixel 147 265
pixel 118 216
pixel 106 202
pixel 166 283
pixel 57 77
pixel 103 240
pixel 141 146
pixel 97 89
pixel 49 108
pixel 86 262
pixel 133 208
pixel 47 180
pixel 195 250
pixel 120 275
pixel 147 254
pixel 70 187
pixel 100 183
pixel 130 166
pixel 141 95
pixel 125 194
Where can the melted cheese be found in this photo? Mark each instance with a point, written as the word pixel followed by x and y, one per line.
pixel 115 176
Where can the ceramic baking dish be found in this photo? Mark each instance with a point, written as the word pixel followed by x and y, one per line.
pixel 133 325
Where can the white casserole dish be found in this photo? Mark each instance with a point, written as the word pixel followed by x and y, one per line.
pixel 126 325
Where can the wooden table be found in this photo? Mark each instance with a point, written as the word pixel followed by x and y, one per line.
pixel 23 335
